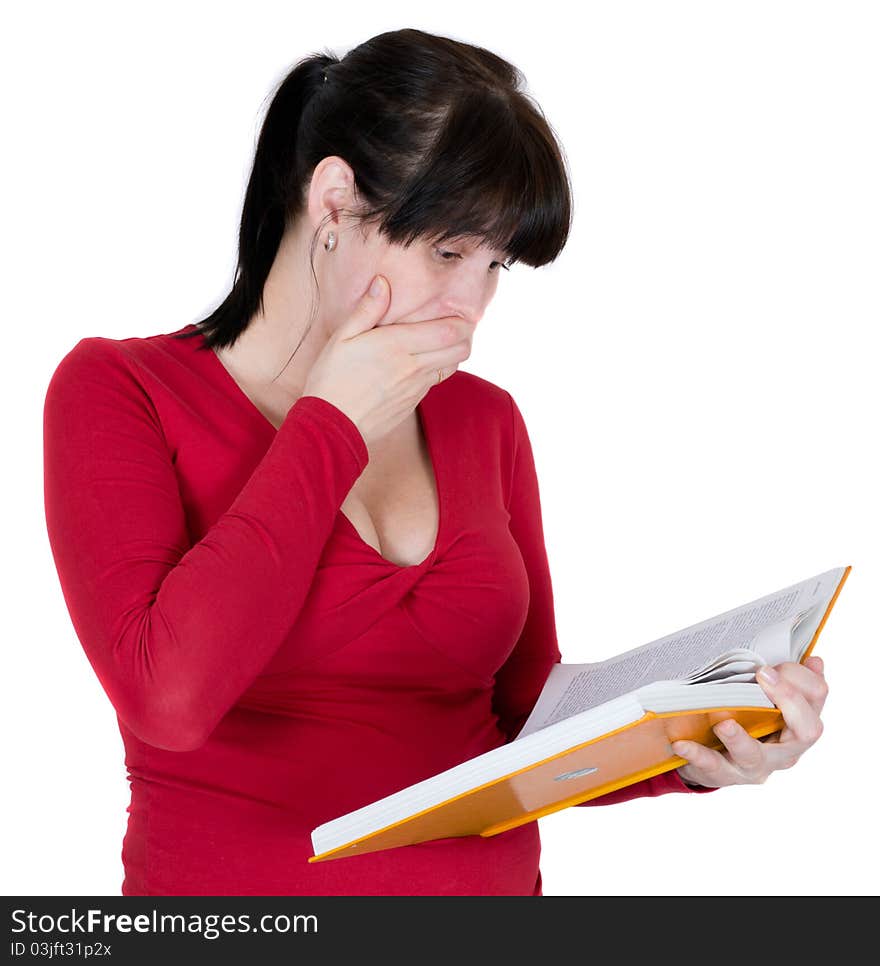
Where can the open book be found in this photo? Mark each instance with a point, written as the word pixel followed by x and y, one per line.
pixel 601 726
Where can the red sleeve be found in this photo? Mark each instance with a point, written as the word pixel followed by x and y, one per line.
pixel 177 632
pixel 519 681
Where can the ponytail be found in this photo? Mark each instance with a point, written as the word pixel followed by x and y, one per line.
pixel 271 201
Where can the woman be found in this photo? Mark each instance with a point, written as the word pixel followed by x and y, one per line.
pixel 303 553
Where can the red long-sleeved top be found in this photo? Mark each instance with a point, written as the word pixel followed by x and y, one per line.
pixel 269 669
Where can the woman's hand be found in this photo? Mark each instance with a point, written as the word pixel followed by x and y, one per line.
pixel 799 692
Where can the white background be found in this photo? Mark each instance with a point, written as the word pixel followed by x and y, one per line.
pixel 697 370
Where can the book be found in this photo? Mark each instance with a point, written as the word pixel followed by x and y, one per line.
pixel 597 727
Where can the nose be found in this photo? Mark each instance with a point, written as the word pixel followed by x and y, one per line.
pixel 471 318
pixel 469 303
pixel 468 291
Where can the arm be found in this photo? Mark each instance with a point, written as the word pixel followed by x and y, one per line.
pixel 519 681
pixel 176 633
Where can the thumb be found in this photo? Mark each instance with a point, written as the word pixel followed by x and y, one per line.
pixel 370 309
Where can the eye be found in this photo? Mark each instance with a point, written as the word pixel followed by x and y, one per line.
pixel 448 256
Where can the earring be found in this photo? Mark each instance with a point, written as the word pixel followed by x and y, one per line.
pixel 330 244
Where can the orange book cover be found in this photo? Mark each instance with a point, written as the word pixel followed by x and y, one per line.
pixel 560 758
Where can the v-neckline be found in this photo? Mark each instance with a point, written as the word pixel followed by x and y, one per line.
pixel 427 432
pixel 438 489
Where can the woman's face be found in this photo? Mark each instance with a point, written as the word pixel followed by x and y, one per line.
pixel 428 281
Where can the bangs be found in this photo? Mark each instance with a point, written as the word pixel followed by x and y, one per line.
pixel 495 173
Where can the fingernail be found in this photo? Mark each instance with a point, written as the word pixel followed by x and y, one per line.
pixel 726 727
pixel 680 748
pixel 768 674
pixel 376 287
pixel 819 664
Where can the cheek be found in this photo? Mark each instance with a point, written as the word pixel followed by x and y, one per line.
pixel 346 286
pixel 414 294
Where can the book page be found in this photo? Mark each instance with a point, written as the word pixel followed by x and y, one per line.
pixel 769 630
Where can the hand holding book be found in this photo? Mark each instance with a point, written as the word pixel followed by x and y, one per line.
pixel 598 728
pixel 799 691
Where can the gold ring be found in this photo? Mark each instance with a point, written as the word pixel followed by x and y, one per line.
pixel 439 376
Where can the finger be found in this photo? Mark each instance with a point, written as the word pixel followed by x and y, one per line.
pixel 431 335
pixel 811 684
pixel 445 358
pixel 370 308
pixel 712 768
pixel 747 754
pixel 817 666
pixel 800 717
pixel 770 739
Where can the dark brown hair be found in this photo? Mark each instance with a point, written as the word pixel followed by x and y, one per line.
pixel 443 142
